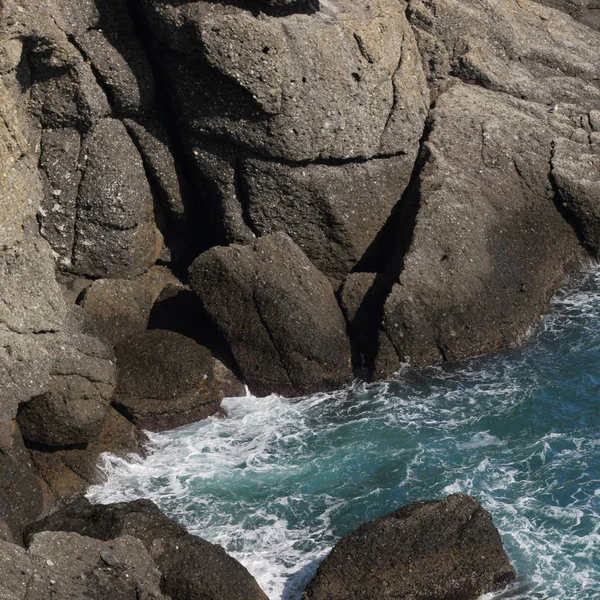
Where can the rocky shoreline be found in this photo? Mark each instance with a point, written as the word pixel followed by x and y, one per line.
pixel 202 195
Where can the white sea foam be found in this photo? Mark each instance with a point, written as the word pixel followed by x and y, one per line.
pixel 278 481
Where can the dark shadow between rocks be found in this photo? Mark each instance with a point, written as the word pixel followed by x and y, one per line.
pixel 273 8
pixel 296 582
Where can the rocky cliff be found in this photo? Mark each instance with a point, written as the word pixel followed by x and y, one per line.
pixel 283 193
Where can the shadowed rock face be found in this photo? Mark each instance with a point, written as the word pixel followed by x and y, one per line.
pixel 423 551
pixel 278 313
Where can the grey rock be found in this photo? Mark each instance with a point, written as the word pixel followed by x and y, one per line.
pixel 165 380
pixel 115 232
pixel 585 11
pixel 489 246
pixel 20 491
pixel 278 313
pixel 343 82
pixel 67 565
pixel 32 313
pixel 121 64
pixel 61 175
pixel 576 175
pixel 67 474
pixel 191 567
pixel 332 212
pixel 72 408
pixel 15 572
pixel 521 48
pixel 120 308
pixel 435 550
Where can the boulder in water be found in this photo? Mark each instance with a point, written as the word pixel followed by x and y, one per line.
pixel 423 551
pixel 191 567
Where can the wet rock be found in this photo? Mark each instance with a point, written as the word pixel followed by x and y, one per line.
pixel 165 380
pixel 278 313
pixel 115 233
pixel 120 308
pixel 489 246
pixel 425 550
pixel 191 567
pixel 20 491
pixel 576 176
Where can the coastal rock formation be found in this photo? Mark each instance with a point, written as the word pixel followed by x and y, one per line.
pixel 277 312
pixel 67 565
pixel 425 550
pixel 165 380
pixel 191 567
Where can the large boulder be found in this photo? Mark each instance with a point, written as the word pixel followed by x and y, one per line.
pixel 165 380
pixel 191 567
pixel 489 246
pixel 278 313
pixel 520 48
pixel 72 408
pixel 423 551
pixel 120 308
pixel 67 565
pixel 66 474
pixel 306 122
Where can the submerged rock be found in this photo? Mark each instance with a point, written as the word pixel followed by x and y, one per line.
pixel 191 567
pixel 423 551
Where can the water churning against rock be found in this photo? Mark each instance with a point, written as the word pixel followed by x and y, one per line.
pixel 279 481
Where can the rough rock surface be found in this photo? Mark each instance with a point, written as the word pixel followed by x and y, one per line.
pixel 66 474
pixel 20 491
pixel 576 176
pixel 298 104
pixel 425 550
pixel 120 308
pixel 165 380
pixel 278 313
pixel 176 553
pixel 68 565
pixel 489 246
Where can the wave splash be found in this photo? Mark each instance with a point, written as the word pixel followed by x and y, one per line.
pixel 279 481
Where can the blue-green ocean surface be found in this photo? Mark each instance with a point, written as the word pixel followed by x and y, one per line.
pixel 279 481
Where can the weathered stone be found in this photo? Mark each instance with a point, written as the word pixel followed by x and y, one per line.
pixel 521 48
pixel 115 233
pixel 576 175
pixel 120 308
pixel 278 313
pixel 165 380
pixel 191 567
pixel 72 408
pixel 68 565
pixel 343 82
pixel 15 572
pixel 20 492
pixel 586 11
pixel 67 474
pixel 32 311
pixel 121 64
pixel 332 212
pixel 489 246
pixel 425 550
pixel 61 175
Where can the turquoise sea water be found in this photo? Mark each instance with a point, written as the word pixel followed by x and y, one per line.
pixel 279 481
